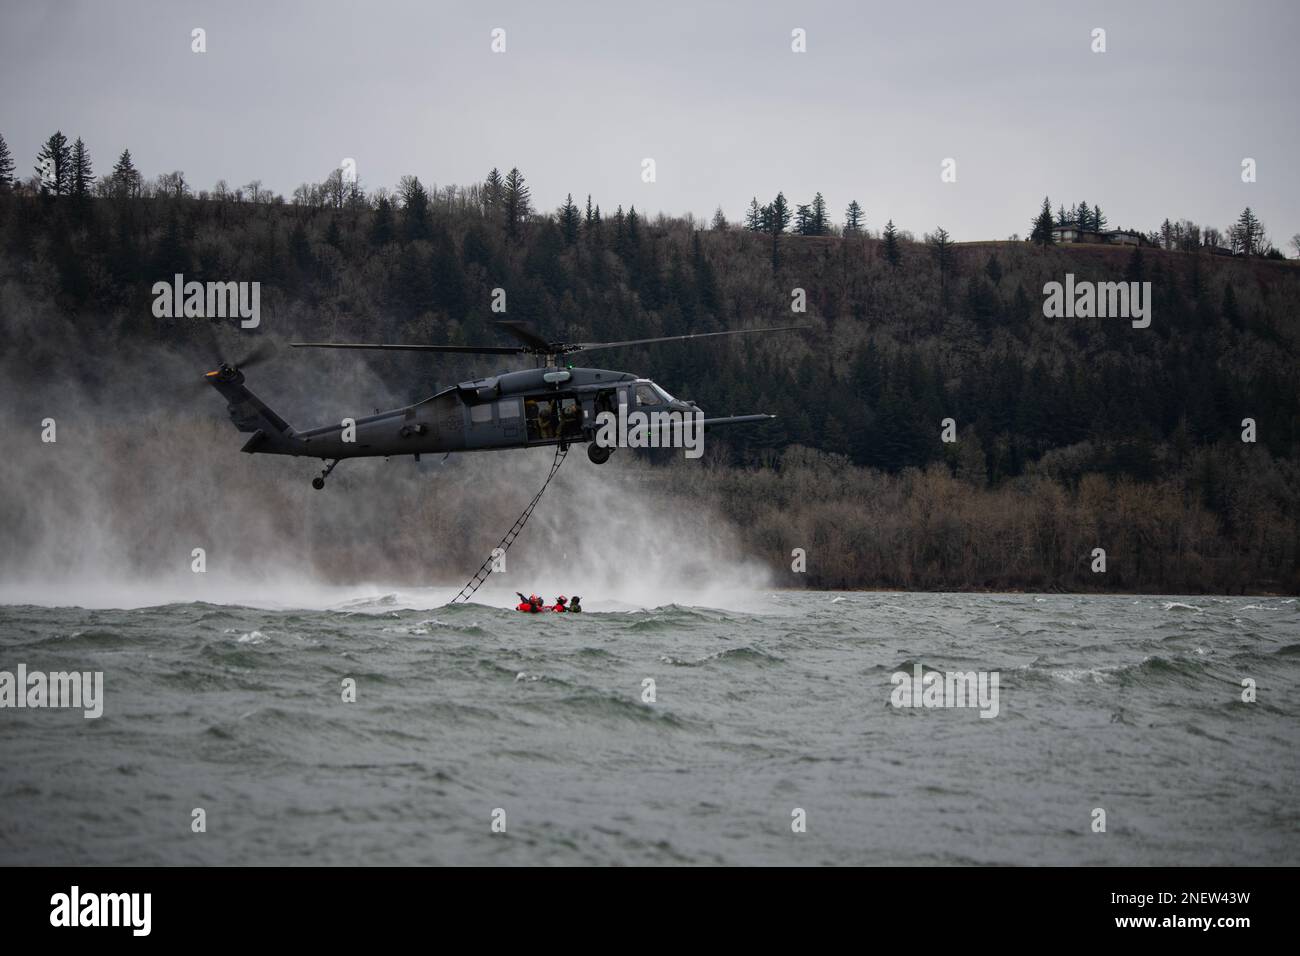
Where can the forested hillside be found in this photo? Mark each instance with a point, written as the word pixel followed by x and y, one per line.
pixel 1070 431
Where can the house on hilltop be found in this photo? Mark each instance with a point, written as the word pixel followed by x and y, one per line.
pixel 1071 232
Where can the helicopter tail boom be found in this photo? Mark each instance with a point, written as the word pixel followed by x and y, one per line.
pixel 271 433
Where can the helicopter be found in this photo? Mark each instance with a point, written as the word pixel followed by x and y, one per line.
pixel 552 404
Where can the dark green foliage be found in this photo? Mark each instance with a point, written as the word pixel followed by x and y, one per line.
pixel 6 166
pixel 54 165
pixel 382 229
pixel 571 219
pixel 853 219
pixel 993 268
pixel 1222 345
pixel 893 250
pixel 81 178
pixel 416 223
pixel 125 178
pixel 1041 233
pixel 1247 234
pixel 516 203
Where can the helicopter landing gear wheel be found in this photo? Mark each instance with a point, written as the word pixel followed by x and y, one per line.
pixel 597 454
pixel 319 482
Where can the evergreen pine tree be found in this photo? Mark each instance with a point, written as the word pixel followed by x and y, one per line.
pixel 1042 230
pixel 633 230
pixel 820 221
pixel 893 250
pixel 125 178
pixel 853 219
pixel 381 227
pixel 942 252
pixel 778 217
pixel 1248 233
pixel 719 223
pixel 569 221
pixel 415 209
pixel 493 192
pixel 803 220
pixel 6 166
pixel 82 176
pixel 754 217
pixel 54 165
pixel 517 196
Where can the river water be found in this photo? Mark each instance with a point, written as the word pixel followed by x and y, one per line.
pixel 770 739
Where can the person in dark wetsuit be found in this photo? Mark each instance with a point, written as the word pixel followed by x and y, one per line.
pixel 574 606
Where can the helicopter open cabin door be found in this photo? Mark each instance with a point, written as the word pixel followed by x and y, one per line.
pixel 553 416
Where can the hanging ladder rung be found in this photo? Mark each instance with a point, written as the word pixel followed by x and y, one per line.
pixel 485 570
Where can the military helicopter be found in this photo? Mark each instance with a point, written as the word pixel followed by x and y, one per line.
pixel 552 404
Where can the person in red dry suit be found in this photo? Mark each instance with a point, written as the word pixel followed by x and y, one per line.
pixel 530 605
pixel 559 605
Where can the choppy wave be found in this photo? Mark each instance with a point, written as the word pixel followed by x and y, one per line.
pixel 610 734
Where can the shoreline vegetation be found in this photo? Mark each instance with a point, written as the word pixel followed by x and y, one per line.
pixel 1070 434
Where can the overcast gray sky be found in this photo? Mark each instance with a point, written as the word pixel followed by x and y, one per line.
pixel 1156 126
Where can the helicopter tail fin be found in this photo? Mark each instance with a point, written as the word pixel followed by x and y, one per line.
pixel 271 433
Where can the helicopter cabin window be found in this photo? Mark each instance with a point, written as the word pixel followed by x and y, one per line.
pixel 508 409
pixel 646 395
pixel 480 414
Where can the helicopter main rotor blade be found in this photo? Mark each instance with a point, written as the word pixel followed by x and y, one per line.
pixel 529 336
pixel 534 344
pixel 259 355
pixel 593 346
pixel 453 349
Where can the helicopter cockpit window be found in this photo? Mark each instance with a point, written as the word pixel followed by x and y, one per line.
pixel 508 409
pixel 480 414
pixel 646 395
